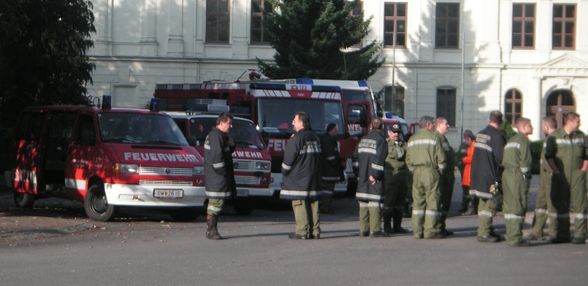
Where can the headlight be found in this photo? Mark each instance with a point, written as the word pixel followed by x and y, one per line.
pixel 198 171
pixel 263 166
pixel 125 168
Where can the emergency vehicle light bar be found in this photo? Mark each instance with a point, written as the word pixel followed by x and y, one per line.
pixel 106 102
pixel 282 86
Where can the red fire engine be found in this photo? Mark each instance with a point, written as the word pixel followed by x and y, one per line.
pixel 270 104
pixel 251 159
pixel 107 158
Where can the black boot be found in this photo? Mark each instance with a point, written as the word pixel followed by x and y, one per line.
pixel 387 215
pixel 397 220
pixel 472 206
pixel 465 202
pixel 211 227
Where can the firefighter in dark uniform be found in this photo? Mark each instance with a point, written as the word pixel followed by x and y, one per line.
pixel 371 156
pixel 301 177
pixel 468 202
pixel 447 179
pixel 565 152
pixel 543 199
pixel 486 174
pixel 515 181
pixel 331 171
pixel 218 171
pixel 396 183
pixel 426 159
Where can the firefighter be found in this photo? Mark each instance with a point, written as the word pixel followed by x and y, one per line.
pixel 218 171
pixel 469 203
pixel 543 199
pixel 515 181
pixel 396 183
pixel 565 152
pixel 426 159
pixel 447 176
pixel 486 174
pixel 331 171
pixel 301 177
pixel 371 156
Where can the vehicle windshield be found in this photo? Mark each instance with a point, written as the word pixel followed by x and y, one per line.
pixel 243 132
pixel 276 114
pixel 140 128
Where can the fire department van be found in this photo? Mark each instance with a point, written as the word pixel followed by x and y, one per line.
pixel 252 160
pixel 107 158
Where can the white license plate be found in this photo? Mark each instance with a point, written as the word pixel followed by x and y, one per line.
pixel 168 194
pixel 242 193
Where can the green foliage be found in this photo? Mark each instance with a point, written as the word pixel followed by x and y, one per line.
pixel 309 36
pixel 43 46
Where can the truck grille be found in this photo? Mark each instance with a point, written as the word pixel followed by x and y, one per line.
pixel 165 183
pixel 165 171
pixel 247 180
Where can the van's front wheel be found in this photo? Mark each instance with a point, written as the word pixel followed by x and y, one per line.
pixel 23 200
pixel 96 205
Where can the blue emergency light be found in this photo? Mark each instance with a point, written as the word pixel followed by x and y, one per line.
pixel 154 104
pixel 106 102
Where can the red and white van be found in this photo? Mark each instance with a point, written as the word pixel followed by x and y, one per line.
pixel 251 158
pixel 107 158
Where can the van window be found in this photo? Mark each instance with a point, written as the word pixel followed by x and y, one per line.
pixel 86 132
pixel 358 115
pixel 61 125
pixel 140 128
pixel 30 127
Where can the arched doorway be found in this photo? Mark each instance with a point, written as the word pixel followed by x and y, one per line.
pixel 560 102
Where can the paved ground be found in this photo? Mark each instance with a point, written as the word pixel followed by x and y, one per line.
pixel 55 245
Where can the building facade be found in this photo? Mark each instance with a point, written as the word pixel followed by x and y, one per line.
pixel 458 59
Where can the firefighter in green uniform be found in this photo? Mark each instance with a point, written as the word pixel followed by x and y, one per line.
pixel 396 183
pixel 447 176
pixel 426 159
pixel 515 181
pixel 566 154
pixel 543 195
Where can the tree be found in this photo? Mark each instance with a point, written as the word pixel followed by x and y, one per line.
pixel 311 37
pixel 43 46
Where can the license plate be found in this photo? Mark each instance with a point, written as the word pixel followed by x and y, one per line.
pixel 242 193
pixel 168 194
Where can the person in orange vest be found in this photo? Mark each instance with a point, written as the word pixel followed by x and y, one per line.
pixel 469 202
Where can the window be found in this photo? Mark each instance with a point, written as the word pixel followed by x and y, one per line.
pixel 260 11
pixel 358 12
pixel 217 21
pixel 447 25
pixel 564 24
pixel 523 25
pixel 394 101
pixel 446 104
pixel 86 132
pixel 394 24
pixel 513 103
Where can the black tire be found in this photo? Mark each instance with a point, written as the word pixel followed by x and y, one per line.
pixel 243 208
pixel 96 206
pixel 184 214
pixel 24 200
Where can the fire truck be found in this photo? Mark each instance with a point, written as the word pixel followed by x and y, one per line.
pixel 251 158
pixel 269 104
pixel 107 158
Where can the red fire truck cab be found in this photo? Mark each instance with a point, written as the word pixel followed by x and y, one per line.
pixel 107 158
pixel 251 159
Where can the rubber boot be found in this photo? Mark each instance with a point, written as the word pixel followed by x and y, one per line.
pixel 387 215
pixel 397 220
pixel 211 228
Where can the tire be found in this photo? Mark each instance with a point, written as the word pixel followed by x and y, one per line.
pixel 24 200
pixel 96 206
pixel 184 214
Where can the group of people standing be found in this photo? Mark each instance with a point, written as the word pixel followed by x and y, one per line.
pixel 387 168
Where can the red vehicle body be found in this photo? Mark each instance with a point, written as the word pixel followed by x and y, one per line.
pixel 107 158
pixel 269 104
pixel 251 159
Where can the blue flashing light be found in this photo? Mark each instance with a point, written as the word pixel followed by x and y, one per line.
pixel 304 80
pixel 362 83
pixel 389 115
pixel 106 102
pixel 154 104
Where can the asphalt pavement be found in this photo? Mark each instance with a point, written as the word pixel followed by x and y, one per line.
pixel 151 250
